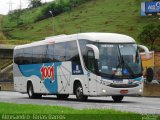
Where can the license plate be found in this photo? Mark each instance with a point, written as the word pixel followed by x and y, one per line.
pixel 118 82
pixel 124 91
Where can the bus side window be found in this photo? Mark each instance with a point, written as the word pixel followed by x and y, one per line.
pixel 27 56
pixel 38 54
pixel 43 54
pixel 18 56
pixel 91 61
pixel 16 59
pixel 72 52
pixel 59 52
pixel 84 49
pixel 50 53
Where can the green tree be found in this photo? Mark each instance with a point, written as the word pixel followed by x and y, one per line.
pixel 35 3
pixel 150 34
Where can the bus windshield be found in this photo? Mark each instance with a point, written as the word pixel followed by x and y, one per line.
pixel 119 60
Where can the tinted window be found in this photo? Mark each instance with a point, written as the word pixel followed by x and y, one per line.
pixel 88 55
pixel 27 56
pixel 84 49
pixel 38 54
pixel 50 53
pixel 72 52
pixel 91 61
pixel 18 53
pixel 16 56
pixel 59 52
pixel 66 51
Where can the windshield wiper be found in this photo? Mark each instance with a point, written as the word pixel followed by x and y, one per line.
pixel 122 64
pixel 128 67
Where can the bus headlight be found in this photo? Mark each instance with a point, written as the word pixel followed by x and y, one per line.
pixel 104 91
pixel 140 90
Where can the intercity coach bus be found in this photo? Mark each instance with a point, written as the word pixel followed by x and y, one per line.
pixel 83 64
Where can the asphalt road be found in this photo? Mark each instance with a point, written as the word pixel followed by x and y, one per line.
pixel 143 105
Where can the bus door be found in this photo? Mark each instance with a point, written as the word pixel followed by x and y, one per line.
pixel 91 75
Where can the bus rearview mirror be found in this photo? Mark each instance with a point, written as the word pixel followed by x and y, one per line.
pixel 95 50
pixel 145 49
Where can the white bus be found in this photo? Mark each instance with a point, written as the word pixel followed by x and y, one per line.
pixel 84 64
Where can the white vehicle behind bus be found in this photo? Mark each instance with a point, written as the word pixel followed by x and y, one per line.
pixel 84 64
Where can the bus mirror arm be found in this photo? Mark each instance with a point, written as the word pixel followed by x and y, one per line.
pixel 145 49
pixel 95 50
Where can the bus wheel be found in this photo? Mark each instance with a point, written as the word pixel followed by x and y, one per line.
pixel 62 96
pixel 117 98
pixel 79 93
pixel 31 93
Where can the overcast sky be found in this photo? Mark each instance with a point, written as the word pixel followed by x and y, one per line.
pixel 4 5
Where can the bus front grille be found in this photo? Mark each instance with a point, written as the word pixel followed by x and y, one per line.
pixel 123 85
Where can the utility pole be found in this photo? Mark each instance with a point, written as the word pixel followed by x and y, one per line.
pixel 52 21
pixel 20 4
pixel 10 5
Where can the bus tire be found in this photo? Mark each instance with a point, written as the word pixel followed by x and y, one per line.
pixel 117 98
pixel 31 93
pixel 62 96
pixel 79 93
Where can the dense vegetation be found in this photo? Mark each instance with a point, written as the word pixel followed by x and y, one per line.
pixel 57 7
pixel 2 37
pixel 41 11
pixel 150 36
pixel 90 16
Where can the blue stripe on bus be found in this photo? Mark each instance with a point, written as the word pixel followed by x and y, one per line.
pixel 35 69
pixel 139 79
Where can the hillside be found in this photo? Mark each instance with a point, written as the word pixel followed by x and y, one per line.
pixel 120 16
pixel 2 37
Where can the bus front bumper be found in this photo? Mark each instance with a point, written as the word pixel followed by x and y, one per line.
pixel 110 91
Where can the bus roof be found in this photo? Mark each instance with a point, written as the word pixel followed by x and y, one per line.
pixel 99 37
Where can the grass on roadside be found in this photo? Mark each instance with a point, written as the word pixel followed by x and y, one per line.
pixel 69 113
